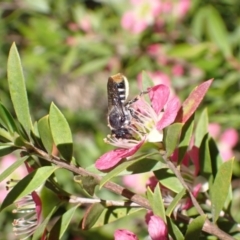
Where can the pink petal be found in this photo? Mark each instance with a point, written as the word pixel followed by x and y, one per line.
pixel 188 203
pixel 112 158
pixel 229 137
pixel 157 228
pixel 194 155
pixel 226 153
pixel 214 130
pixel 123 234
pixel 148 216
pixel 170 113
pixel 38 204
pixel 193 101
pixel 159 95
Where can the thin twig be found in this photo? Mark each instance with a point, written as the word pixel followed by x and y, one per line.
pixel 107 203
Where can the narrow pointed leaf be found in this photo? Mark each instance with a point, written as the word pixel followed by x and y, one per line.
pixel 168 180
pixel 6 149
pixel 186 136
pixel 5 136
pixel 45 133
pixel 172 137
pixel 108 215
pixel 40 230
pixel 174 231
pixel 206 165
pixel 175 202
pixel 12 168
pixel 61 132
pixel 28 184
pixel 201 128
pixel 92 215
pixel 7 119
pixel 17 89
pixel 220 189
pixel 195 228
pixel 62 224
pixel 217 31
pixel 157 203
pixel 190 105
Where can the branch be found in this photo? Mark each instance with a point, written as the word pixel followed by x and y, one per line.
pixel 109 185
pixel 208 227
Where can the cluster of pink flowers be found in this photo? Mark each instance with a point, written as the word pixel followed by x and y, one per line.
pixel 144 13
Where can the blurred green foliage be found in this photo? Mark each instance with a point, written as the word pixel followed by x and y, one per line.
pixel 69 48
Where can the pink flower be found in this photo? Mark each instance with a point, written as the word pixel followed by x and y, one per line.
pixel 146 126
pixel 123 234
pixel 157 228
pixel 181 8
pixel 142 14
pixel 178 70
pixel 30 207
pixel 225 140
pixel 141 179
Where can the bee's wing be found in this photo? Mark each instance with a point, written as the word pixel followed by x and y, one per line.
pixel 117 89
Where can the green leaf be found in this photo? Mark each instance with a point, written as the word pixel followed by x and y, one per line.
pixel 175 202
pixel 201 128
pixel 7 120
pixel 45 133
pixel 217 31
pixel 88 183
pixel 40 230
pixel 185 138
pixel 6 149
pixel 206 165
pixel 174 231
pixel 199 22
pixel 28 184
pixel 92 215
pixel 107 216
pixel 188 51
pixel 169 180
pixel 92 66
pixel 61 132
pixel 5 136
pixel 220 188
pixel 12 168
pixel 17 89
pixel 171 138
pixel 157 203
pixel 62 224
pixel 195 228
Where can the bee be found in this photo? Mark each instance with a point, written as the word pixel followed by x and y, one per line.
pixel 119 111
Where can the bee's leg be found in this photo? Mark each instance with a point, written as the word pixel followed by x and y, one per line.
pixel 127 105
